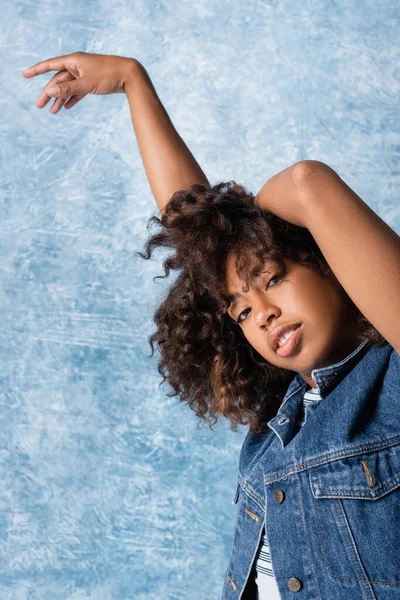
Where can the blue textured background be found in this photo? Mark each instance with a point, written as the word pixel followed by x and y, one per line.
pixel 109 490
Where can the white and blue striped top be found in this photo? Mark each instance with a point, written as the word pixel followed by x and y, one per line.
pixel 267 588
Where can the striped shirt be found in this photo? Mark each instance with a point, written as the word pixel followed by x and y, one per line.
pixel 267 588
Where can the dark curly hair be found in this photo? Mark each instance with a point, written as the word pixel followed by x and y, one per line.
pixel 205 356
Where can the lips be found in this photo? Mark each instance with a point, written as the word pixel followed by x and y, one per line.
pixel 278 332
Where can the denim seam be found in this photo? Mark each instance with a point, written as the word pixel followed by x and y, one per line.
pixel 331 456
pixel 324 546
pixel 318 520
pixel 250 493
pixel 325 372
pixel 296 483
pixel 235 535
pixel 368 495
pixel 346 360
pixel 299 386
pixel 321 535
pixel 250 568
pixel 353 551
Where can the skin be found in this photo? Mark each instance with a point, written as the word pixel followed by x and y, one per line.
pixel 302 296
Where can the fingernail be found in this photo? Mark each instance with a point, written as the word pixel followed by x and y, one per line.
pixel 52 91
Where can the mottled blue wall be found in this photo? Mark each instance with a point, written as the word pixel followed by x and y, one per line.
pixel 109 490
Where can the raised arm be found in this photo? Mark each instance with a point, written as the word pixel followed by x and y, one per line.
pixel 361 249
pixel 169 164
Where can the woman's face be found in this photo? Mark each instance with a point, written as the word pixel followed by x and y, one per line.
pixel 303 296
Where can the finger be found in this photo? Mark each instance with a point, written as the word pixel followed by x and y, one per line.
pixel 70 88
pixel 52 64
pixel 74 100
pixel 58 104
pixel 58 77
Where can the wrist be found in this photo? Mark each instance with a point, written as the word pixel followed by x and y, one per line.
pixel 132 72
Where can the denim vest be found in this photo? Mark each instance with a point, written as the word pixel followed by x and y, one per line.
pixel 331 493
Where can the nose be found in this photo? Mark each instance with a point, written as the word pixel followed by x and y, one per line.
pixel 263 311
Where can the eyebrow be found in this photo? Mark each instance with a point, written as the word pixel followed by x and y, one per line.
pixel 231 298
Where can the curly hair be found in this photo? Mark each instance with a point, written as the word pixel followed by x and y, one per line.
pixel 205 356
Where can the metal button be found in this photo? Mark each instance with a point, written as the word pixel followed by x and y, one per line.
pixel 279 496
pixel 294 584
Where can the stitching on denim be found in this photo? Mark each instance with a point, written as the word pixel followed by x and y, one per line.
pixel 327 371
pixel 319 520
pixel 364 493
pixel 252 496
pixel 342 365
pixel 300 386
pixel 250 493
pixel 251 563
pixel 250 477
pixel 331 456
pixel 235 537
pixel 356 554
pixel 336 366
pixel 386 582
pixel 347 538
pixel 370 482
pixel 296 483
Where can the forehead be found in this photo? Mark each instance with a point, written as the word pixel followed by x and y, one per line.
pixel 233 283
pixel 231 277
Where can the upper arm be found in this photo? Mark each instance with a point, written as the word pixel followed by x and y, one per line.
pixel 362 250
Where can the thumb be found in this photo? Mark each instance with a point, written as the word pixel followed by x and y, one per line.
pixel 69 88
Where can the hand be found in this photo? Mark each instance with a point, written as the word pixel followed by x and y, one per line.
pixel 82 73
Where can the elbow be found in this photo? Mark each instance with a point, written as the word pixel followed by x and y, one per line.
pixel 305 170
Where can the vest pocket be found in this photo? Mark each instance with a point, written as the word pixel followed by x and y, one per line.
pixel 357 515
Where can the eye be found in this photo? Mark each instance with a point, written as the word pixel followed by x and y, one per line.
pixel 272 278
pixel 239 320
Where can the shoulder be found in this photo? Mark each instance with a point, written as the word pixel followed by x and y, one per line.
pixel 253 447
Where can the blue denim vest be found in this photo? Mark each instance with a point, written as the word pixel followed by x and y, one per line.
pixel 334 526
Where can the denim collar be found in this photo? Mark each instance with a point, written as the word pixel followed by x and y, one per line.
pixel 326 378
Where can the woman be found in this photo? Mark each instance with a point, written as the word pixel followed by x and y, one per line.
pixel 303 279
